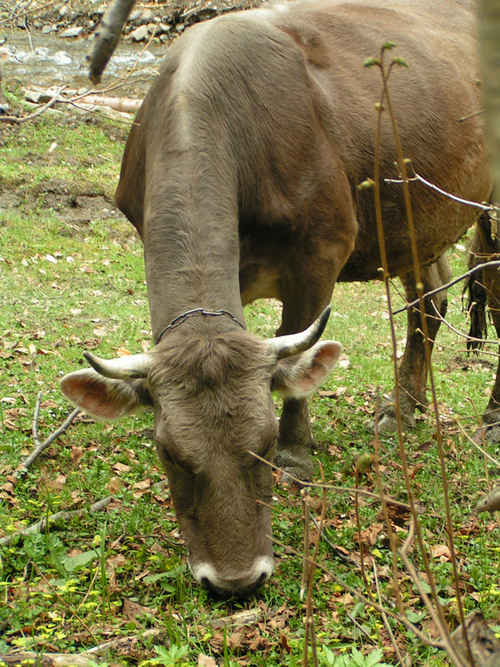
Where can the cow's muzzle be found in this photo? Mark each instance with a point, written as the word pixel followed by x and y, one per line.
pixel 241 585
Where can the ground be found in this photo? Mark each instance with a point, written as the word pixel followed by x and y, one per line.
pixel 165 19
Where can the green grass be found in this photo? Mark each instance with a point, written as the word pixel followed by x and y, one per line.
pixel 70 285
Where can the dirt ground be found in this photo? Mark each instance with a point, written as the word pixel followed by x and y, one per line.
pixel 159 22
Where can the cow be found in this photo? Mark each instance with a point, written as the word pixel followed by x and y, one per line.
pixel 241 176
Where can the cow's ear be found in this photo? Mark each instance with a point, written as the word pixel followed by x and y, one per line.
pixel 299 376
pixel 102 397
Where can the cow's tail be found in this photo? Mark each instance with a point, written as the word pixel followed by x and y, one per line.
pixel 484 244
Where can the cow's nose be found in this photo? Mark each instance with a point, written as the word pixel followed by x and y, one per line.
pixel 241 584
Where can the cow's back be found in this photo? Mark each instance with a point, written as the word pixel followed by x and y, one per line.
pixel 279 95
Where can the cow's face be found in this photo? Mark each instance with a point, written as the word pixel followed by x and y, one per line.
pixel 213 411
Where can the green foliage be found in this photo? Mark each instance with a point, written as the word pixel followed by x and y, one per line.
pixel 328 658
pixel 175 655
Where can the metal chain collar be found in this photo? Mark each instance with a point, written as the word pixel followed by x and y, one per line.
pixel 196 311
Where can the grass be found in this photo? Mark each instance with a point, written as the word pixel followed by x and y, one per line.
pixel 73 279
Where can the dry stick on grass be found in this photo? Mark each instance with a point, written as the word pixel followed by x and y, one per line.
pixel 387 99
pixel 41 446
pixel 38 112
pixel 64 515
pixel 83 659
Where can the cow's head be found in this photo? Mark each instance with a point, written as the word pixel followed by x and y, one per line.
pixel 212 403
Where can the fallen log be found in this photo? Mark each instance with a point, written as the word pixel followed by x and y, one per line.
pixel 85 100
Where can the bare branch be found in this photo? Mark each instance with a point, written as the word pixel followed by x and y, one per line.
pixel 368 601
pixel 490 208
pixel 479 267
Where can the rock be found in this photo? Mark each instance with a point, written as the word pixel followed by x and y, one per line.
pixel 140 34
pixel 72 32
pixel 141 16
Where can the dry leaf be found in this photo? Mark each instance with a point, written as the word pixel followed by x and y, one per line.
pixel 441 551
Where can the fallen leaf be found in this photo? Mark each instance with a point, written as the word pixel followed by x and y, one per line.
pixel 206 661
pixel 441 551
pixel 132 610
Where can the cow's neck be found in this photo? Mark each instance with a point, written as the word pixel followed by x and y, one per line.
pixel 191 246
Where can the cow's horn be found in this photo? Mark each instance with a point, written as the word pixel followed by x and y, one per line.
pixel 122 368
pixel 285 346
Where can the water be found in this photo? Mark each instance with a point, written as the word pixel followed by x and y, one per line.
pixel 42 60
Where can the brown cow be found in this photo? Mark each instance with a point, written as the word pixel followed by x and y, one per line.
pixel 240 175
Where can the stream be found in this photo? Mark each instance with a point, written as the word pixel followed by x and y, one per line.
pixel 40 60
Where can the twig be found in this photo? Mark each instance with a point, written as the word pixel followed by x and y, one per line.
pixel 416 177
pixel 305 510
pixel 358 528
pixel 41 446
pixel 46 521
pixel 461 333
pixel 38 112
pixel 331 487
pixel 360 628
pixel 386 98
pixel 120 642
pixel 479 267
pixel 384 616
pixel 83 659
pixel 490 458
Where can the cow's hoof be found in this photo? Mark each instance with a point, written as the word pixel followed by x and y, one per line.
pixel 295 467
pixel 488 433
pixel 388 423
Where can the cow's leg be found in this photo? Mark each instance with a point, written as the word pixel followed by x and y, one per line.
pixel 304 297
pixel 491 417
pixel 413 369
pixel 484 286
